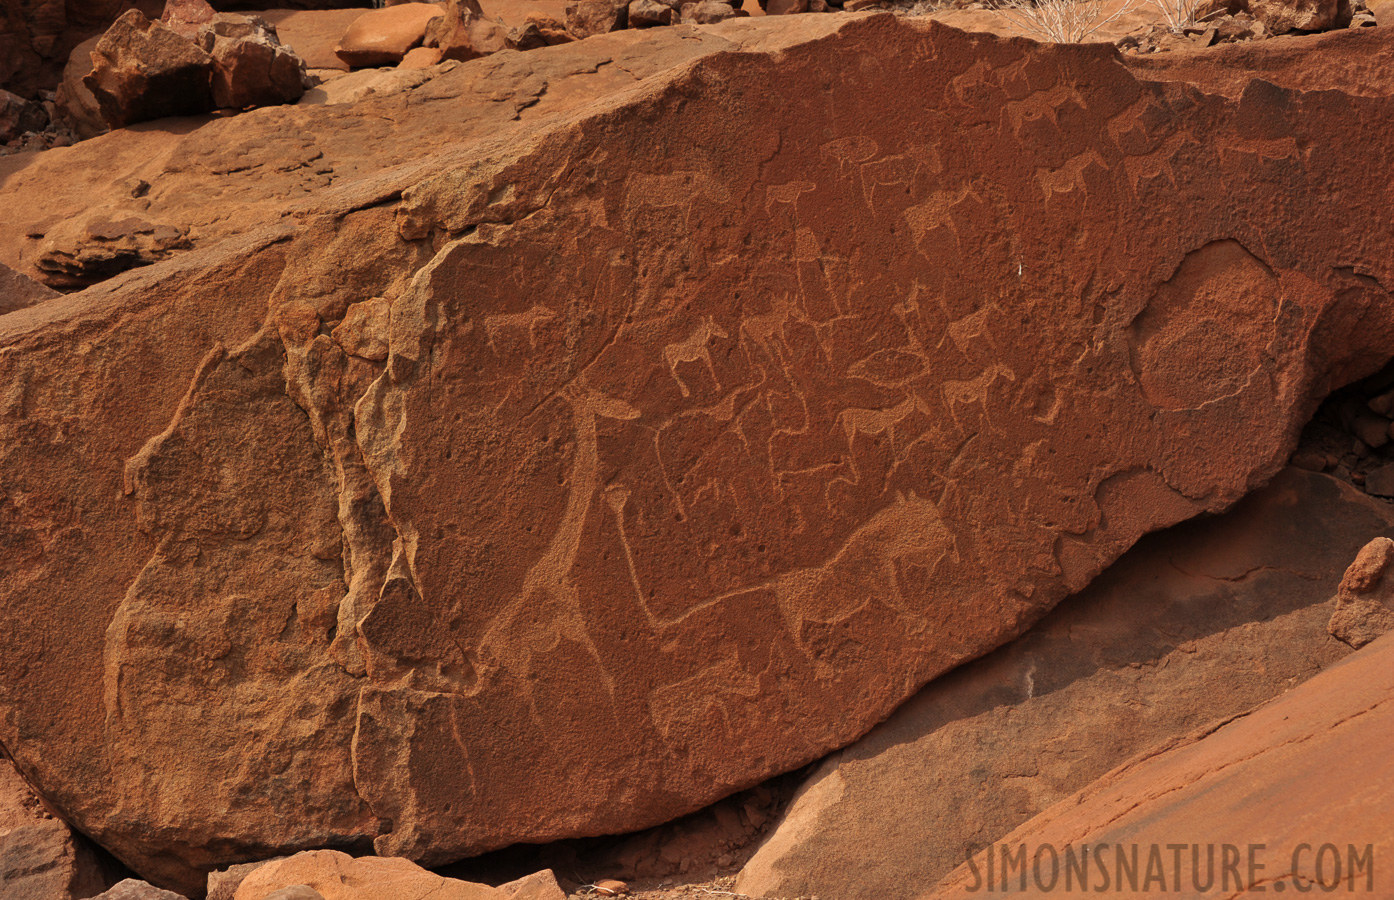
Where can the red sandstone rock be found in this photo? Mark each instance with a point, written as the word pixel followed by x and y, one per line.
pixel 1283 16
pixel 338 876
pixel 40 856
pixel 250 65
pixel 382 37
pixel 586 18
pixel 720 425
pixel 313 34
pixel 552 30
pixel 143 70
pixel 465 33
pixel 135 889
pixel 222 884
pixel 786 7
pixel 18 292
pixel 420 58
pixel 16 116
pixel 707 12
pixel 185 17
pixel 1198 623
pixel 80 251
pixel 537 886
pixel 648 13
pixel 1310 768
pixel 1365 600
pixel 76 106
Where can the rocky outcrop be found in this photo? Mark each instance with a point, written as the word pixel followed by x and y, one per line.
pixel 1199 623
pixel 1295 793
pixel 40 856
pixel 725 445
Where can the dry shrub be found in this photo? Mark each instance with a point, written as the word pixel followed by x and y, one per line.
pixel 1065 21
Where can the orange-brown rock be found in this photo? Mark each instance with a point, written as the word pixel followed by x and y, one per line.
pixel 313 34
pixel 537 886
pixel 1283 16
pixel 18 292
pixel 143 70
pixel 41 858
pixel 587 18
pixel 733 391
pixel 1197 623
pixel 338 876
pixel 382 37
pixel 251 67
pixel 76 107
pixel 185 17
pixel 464 32
pixel 1365 599
pixel 135 889
pixel 1294 795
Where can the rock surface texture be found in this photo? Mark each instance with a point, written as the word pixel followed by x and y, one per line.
pixel 1306 772
pixel 1198 623
pixel 1365 602
pixel 142 69
pixel 338 876
pixel 18 292
pixel 40 856
pixel 721 410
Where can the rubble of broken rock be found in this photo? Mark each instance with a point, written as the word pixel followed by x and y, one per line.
pixel 518 450
pixel 143 66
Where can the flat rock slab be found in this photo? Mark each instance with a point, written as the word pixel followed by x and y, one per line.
pixel 718 415
pixel 1302 786
pixel 1198 623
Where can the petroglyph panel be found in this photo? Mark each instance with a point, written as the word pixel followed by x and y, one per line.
pixel 716 418
pixel 800 424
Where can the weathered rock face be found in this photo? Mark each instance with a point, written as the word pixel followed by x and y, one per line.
pixel 1365 601
pixel 338 876
pixel 464 33
pixel 1305 775
pixel 135 889
pixel 76 106
pixel 40 856
pixel 250 65
pixel 720 415
pixel 37 36
pixel 382 37
pixel 1196 624
pixel 144 70
pixel 18 292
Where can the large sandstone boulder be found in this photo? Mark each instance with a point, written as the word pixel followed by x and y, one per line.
pixel 144 70
pixel 708 431
pixel 76 106
pixel 1296 793
pixel 382 37
pixel 250 65
pixel 1198 623
pixel 41 858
